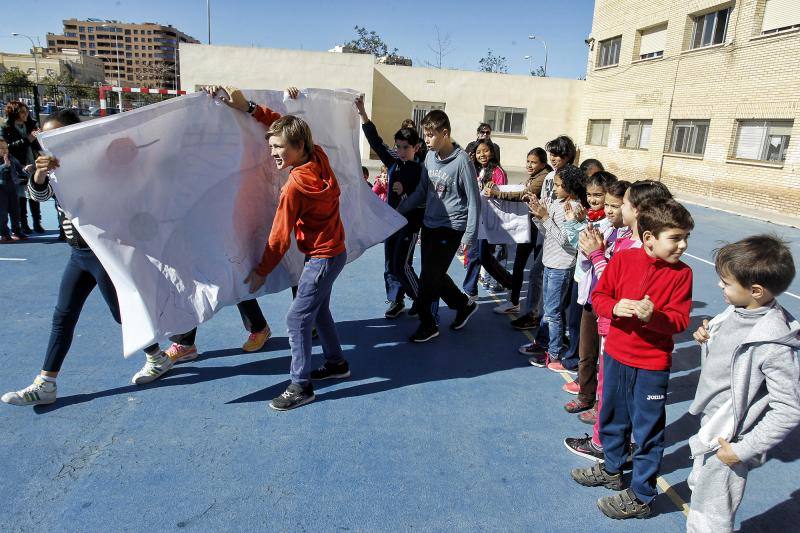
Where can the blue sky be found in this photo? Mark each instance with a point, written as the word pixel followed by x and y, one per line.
pixel 473 26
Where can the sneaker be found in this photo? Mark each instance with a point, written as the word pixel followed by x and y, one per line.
pixel 624 504
pixel 525 322
pixel 571 388
pixel 472 298
pixel 332 371
pixel 394 310
pixel 19 237
pixel 294 396
pixel 154 367
pixel 584 447
pixel 256 340
pixel 589 417
pixel 577 406
pixel 556 366
pixel 5 239
pixel 532 348
pixel 596 476
pixel 180 353
pixel 538 360
pixel 40 392
pixel 37 227
pixel 412 311
pixel 424 333
pixel 506 309
pixel 26 228
pixel 462 315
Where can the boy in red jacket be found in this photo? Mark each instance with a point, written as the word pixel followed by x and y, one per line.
pixel 647 294
pixel 309 208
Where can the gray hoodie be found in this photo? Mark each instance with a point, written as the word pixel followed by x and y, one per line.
pixel 449 190
pixel 764 403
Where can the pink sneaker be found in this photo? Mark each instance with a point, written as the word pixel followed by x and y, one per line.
pixel 572 387
pixel 180 353
pixel 556 366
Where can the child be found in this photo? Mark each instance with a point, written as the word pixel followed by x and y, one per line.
pixel 558 259
pixel 82 273
pixel 581 318
pixel 749 388
pixel 591 166
pixel 309 207
pixel 365 173
pixel 490 174
pixel 620 203
pixel 561 151
pixel 452 211
pixel 647 294
pixel 10 173
pixel 379 186
pixel 401 179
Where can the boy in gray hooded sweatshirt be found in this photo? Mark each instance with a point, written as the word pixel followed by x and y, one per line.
pixel 749 388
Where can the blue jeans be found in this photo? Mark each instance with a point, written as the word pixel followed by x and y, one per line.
pixel 555 283
pixel 634 401
pixel 570 359
pixel 312 307
pixel 534 302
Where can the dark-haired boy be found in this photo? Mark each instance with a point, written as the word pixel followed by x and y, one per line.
pixel 449 190
pixel 647 294
pixel 403 178
pixel 749 388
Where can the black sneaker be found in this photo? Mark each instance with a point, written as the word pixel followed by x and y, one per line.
pixel 394 310
pixel 332 371
pixel 294 396
pixel 525 322
pixel 584 447
pixel 412 311
pixel 538 360
pixel 424 333
pixel 463 315
pixel 624 504
pixel 596 476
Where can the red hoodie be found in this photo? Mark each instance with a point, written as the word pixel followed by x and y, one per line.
pixel 633 274
pixel 309 205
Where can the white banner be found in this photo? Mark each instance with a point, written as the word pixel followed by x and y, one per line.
pixel 177 199
pixel 503 221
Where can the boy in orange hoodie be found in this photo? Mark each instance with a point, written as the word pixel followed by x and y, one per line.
pixel 309 206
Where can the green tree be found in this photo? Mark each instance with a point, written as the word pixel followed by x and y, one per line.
pixel 16 78
pixel 369 42
pixel 539 71
pixel 493 63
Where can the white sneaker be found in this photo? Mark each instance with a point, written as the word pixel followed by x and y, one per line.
pixel 40 392
pixel 155 367
pixel 506 309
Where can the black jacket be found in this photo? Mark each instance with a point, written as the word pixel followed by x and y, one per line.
pixel 18 144
pixel 406 172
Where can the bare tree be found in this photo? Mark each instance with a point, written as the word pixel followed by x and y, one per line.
pixel 441 48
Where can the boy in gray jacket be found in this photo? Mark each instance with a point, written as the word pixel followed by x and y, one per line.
pixel 749 388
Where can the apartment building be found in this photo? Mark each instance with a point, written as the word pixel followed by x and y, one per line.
pixel 145 54
pixel 84 68
pixel 701 94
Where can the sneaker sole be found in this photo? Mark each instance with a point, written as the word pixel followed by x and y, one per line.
pixel 393 315
pixel 575 412
pixel 426 339
pixel 579 453
pixel 37 402
pixel 537 364
pixel 565 389
pixel 295 406
pixel 187 357
pixel 507 312
pixel 150 379
pixel 334 376
pixel 565 371
pixel 464 323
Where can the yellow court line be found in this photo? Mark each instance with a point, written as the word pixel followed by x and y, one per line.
pixel 662 483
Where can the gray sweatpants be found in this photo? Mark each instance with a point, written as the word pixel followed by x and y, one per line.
pixel 717 491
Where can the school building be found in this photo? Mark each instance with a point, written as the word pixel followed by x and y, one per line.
pixel 701 94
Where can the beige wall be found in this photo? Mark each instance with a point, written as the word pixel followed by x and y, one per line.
pixel 552 104
pixel 749 77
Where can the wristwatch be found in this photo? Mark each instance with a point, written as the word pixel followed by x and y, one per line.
pixel 251 106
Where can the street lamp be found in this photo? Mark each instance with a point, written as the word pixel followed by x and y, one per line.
pixel 36 107
pixel 116 45
pixel 208 15
pixel 530 63
pixel 534 37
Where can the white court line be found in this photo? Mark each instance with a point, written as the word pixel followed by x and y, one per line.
pixel 787 293
pixel 12 259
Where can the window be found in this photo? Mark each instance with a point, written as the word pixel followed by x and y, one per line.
pixel 127 32
pixel 763 140
pixel 710 29
pixel 91 37
pixel 652 42
pixel 609 52
pixel 636 134
pixel 90 29
pixel 81 28
pixel 688 137
pixel 598 132
pixel 421 109
pixel 505 119
pixel 780 15
pixel 91 45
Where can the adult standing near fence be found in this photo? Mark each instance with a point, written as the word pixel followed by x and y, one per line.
pixel 20 131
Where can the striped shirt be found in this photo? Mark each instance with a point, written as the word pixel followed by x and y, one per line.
pixel 43 193
pixel 557 252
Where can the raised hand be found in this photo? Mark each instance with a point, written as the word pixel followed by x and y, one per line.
pixel 293 92
pixel 569 213
pixel 579 211
pixel 231 96
pixel 702 335
pixel 590 240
